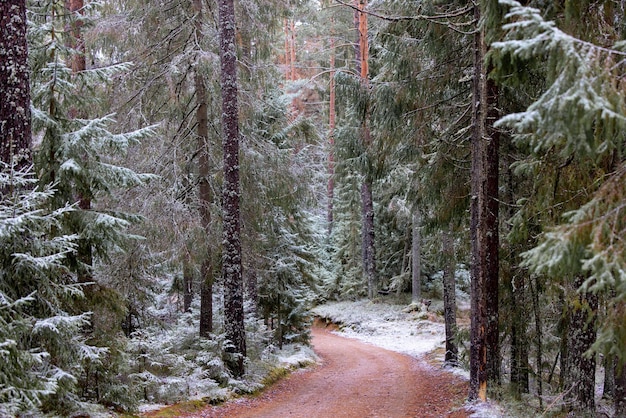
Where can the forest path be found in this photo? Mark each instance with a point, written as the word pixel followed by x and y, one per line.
pixel 354 380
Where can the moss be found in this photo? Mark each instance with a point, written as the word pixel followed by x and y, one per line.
pixel 185 407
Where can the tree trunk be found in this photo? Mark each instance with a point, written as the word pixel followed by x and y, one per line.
pixel 519 344
pixel 231 258
pixel 205 193
pixel 367 202
pixel 449 298
pixel 292 61
pixel 206 299
pixel 416 257
pixel 579 385
pixel 187 286
pixel 484 334
pixel 478 348
pixel 620 390
pixel 331 137
pixel 15 124
pixel 608 388
pixel 491 231
pixel 78 64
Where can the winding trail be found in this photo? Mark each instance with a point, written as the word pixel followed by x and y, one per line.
pixel 354 380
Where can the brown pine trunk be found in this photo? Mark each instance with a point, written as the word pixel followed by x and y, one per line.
pixel 367 203
pixel 292 61
pixel 231 258
pixel 287 51
pixel 205 192
pixel 15 124
pixel 78 64
pixel 449 299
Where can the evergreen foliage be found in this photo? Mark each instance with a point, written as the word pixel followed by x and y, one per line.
pixel 42 349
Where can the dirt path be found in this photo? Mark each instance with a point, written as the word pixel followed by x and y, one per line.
pixel 354 380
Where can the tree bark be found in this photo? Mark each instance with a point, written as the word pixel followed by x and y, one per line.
pixel 449 299
pixel 579 385
pixel 231 258
pixel 205 193
pixel 478 348
pixel 484 334
pixel 620 390
pixel 367 202
pixel 15 124
pixel 416 257
pixel 331 137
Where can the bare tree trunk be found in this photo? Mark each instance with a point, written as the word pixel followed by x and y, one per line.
pixel 367 208
pixel 491 230
pixel 416 257
pixel 78 63
pixel 331 137
pixel 579 385
pixel 608 388
pixel 187 286
pixel 15 124
pixel 205 193
pixel 478 348
pixel 287 51
pixel 292 61
pixel 231 265
pixel 449 298
pixel 620 390
pixel 484 352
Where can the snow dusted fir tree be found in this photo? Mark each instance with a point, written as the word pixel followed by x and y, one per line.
pixel 41 345
pixel 75 145
pixel 578 124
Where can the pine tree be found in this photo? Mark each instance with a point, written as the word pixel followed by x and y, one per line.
pixel 574 121
pixel 231 268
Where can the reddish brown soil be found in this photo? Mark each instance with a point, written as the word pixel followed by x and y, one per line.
pixel 354 380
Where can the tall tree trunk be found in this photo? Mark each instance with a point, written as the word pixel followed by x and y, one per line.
pixel 287 50
pixel 78 64
pixel 491 231
pixel 367 202
pixel 519 344
pixel 484 351
pixel 416 256
pixel 205 193
pixel 15 124
pixel 331 137
pixel 449 298
pixel 292 41
pixel 538 338
pixel 478 348
pixel 579 385
pixel 231 259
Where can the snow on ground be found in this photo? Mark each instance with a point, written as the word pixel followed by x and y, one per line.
pixel 385 326
pixel 396 328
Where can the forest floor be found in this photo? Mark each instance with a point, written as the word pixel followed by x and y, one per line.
pixel 355 379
